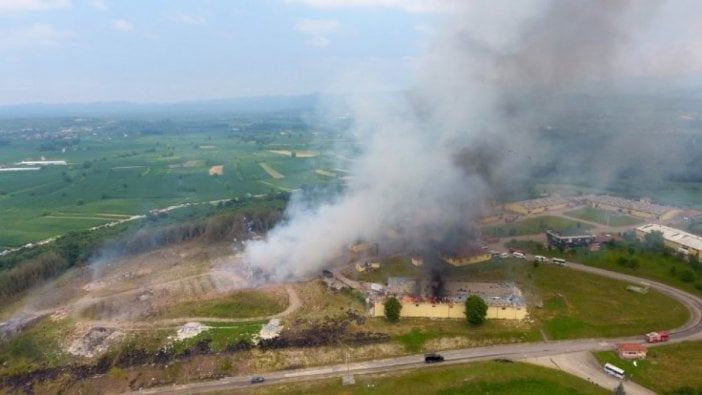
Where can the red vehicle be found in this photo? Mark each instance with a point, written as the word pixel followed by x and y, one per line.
pixel 656 337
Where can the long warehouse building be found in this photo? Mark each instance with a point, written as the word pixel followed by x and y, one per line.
pixel 681 241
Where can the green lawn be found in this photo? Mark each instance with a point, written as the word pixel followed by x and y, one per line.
pixel 531 226
pixel 239 304
pixel 603 217
pixel 667 368
pixel 585 305
pixel 478 378
pixel 37 346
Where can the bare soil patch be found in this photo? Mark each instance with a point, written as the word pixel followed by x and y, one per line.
pixel 216 170
pixel 298 154
pixel 271 171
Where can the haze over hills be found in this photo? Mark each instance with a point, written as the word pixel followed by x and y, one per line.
pixel 256 104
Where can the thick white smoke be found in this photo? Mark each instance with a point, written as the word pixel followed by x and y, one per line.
pixel 427 159
pixel 403 181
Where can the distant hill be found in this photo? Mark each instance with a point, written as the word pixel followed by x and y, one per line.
pixel 236 105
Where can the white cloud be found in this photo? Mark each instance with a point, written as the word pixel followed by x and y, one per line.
pixel 10 6
pixel 98 4
pixel 316 26
pixel 319 42
pixel 406 5
pixel 36 35
pixel 188 19
pixel 122 25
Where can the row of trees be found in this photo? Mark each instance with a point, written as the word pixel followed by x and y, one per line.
pixel 476 309
pixel 21 271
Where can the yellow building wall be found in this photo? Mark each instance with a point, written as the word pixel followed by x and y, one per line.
pixel 671 244
pixel 642 214
pixel 517 208
pixel 446 310
pixel 489 219
pixel 506 313
pixel 468 260
pixel 537 210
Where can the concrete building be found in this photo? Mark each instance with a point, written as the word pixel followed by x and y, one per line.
pixel 561 242
pixel 450 310
pixel 537 206
pixel 676 239
pixel 643 208
pixel 504 299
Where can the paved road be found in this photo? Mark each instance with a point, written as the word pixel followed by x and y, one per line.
pixel 584 365
pixel 521 351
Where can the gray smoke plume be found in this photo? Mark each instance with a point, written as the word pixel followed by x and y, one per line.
pixel 488 112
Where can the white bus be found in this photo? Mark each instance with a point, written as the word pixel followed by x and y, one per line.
pixel 614 371
pixel 559 261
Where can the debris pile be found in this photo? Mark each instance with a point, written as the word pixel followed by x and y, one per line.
pixel 191 329
pixel 95 342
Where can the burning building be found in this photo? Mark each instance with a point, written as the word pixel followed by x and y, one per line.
pixel 419 298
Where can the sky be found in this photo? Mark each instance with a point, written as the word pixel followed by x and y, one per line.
pixel 78 51
pixel 68 51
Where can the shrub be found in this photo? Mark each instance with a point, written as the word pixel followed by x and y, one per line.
pixel 392 309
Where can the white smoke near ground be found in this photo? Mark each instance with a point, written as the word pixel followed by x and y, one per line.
pixel 490 84
pixel 403 181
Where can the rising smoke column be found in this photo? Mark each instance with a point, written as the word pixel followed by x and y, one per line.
pixel 491 80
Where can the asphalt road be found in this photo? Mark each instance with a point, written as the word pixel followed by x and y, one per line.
pixel 691 330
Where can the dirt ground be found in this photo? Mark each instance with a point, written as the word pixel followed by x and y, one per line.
pixel 216 170
pixel 110 297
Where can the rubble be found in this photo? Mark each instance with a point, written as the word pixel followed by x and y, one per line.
pixel 95 342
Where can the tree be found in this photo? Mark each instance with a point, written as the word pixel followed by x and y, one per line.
pixel 476 310
pixel 654 241
pixel 392 309
pixel 620 389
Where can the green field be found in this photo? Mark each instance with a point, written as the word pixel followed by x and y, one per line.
pixel 666 368
pixel 532 226
pixel 119 168
pixel 603 217
pixel 585 305
pixel 239 304
pixel 477 378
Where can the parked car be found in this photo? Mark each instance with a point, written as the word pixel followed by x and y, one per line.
pixel 257 379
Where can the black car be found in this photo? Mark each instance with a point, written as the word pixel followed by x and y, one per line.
pixel 257 379
pixel 433 357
